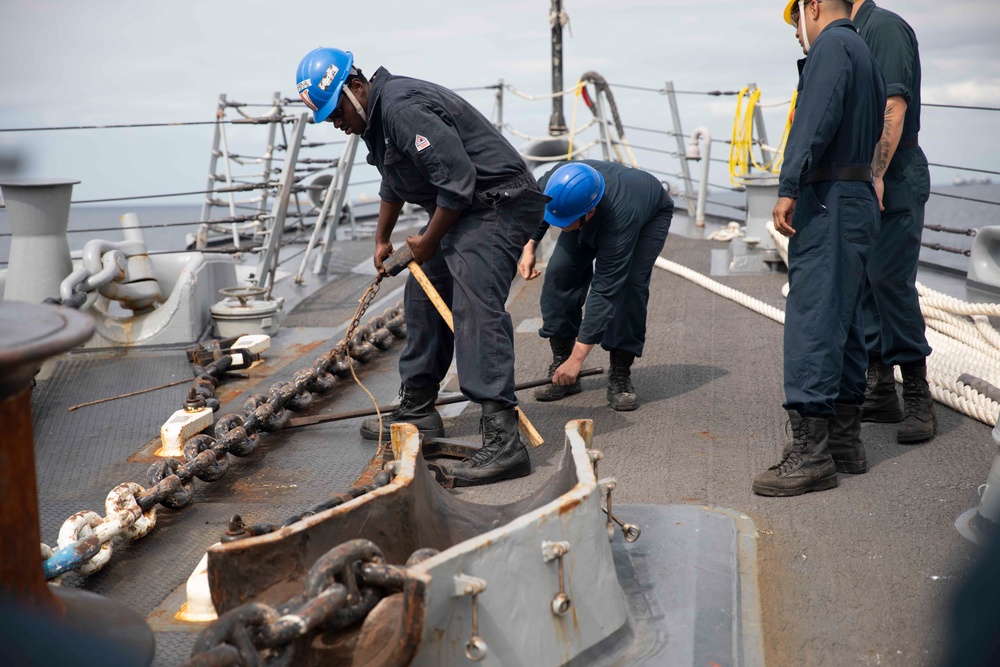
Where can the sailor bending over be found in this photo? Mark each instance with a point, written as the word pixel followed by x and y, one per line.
pixel 434 149
pixel 614 221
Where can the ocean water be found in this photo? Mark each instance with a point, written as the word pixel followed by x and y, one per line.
pixel 945 211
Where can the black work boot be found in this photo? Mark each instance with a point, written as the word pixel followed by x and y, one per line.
pixel 502 456
pixel 881 402
pixel 621 394
pixel 846 448
pixel 919 420
pixel 807 464
pixel 416 406
pixel 561 349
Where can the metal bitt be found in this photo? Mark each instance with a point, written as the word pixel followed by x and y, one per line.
pixel 982 524
pixel 761 193
pixel 557 18
pixel 30 334
pixel 39 252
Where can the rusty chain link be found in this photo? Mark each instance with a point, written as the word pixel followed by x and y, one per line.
pixel 205 457
pixel 341 588
pixel 238 530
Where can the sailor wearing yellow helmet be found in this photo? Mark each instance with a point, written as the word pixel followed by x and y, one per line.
pixel 828 207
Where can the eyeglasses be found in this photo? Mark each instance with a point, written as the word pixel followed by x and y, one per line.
pixel 338 111
pixel 795 13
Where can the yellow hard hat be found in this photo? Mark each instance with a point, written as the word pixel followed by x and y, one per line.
pixel 792 3
pixel 788 11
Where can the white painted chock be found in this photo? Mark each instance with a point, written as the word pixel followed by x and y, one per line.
pixel 181 426
pixel 199 607
pixel 258 343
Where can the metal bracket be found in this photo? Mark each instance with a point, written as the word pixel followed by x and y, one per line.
pixel 561 603
pixel 595 456
pixel 630 531
pixel 475 649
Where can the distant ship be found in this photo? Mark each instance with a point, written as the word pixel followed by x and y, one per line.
pixel 961 180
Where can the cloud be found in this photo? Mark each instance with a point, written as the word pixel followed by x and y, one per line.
pixel 971 92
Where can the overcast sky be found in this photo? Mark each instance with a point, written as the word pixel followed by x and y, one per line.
pixel 66 62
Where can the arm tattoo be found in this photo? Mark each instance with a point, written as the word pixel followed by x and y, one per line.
pixel 884 148
pixel 881 161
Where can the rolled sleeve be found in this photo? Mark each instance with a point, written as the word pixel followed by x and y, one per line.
pixel 895 51
pixel 386 193
pixel 436 148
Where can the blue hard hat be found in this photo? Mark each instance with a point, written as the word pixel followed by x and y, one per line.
pixel 320 78
pixel 575 189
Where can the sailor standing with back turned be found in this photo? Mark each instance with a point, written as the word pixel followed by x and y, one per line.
pixel 828 207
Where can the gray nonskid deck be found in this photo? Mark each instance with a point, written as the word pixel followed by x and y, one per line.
pixel 857 575
pixel 861 574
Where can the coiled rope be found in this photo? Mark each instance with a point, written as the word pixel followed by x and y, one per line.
pixel 741 146
pixel 959 332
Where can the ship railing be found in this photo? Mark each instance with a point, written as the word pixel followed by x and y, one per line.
pixel 252 217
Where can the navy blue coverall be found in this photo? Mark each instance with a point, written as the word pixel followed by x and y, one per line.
pixel 894 325
pixel 612 256
pixel 435 149
pixel 827 169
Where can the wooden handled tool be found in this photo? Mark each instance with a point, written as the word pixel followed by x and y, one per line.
pixel 403 258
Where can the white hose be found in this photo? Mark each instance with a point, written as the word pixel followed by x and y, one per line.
pixel 959 345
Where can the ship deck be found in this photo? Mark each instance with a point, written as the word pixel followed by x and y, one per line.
pixel 861 574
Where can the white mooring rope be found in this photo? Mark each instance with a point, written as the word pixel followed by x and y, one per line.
pixel 962 339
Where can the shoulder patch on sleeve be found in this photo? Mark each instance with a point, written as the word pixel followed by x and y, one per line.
pixel 421 142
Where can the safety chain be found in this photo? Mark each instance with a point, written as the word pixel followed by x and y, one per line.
pixel 340 590
pixel 238 530
pixel 131 509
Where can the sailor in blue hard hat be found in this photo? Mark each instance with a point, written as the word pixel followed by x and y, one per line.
pixel 437 151
pixel 614 221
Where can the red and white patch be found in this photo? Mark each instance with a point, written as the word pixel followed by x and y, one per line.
pixel 422 142
pixel 305 98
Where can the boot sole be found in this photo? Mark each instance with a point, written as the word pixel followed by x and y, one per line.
pixel 387 431
pixel 522 470
pixel 566 392
pixel 915 440
pixel 624 408
pixel 893 417
pixel 851 467
pixel 819 485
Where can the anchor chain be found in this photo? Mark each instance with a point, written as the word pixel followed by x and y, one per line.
pixel 238 530
pixel 341 588
pixel 131 508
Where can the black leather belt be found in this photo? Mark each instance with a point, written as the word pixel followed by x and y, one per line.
pixel 907 144
pixel 839 174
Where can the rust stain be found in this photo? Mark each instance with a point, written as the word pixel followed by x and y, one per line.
pixel 569 506
pixel 373 469
pixel 303 348
pixel 147 453
pixel 706 434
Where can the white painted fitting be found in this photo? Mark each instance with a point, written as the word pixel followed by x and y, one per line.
pixel 257 343
pixel 199 607
pixel 181 426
